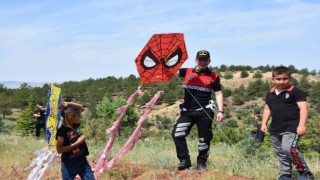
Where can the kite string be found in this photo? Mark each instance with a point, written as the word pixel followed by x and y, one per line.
pixel 215 123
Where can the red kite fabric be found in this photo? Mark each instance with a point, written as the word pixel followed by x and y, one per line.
pixel 162 56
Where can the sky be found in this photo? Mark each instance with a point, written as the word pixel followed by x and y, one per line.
pixel 57 41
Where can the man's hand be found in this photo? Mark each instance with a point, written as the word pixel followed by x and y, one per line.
pixel 220 117
pixel 301 130
pixel 264 128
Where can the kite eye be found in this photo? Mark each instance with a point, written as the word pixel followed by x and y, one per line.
pixel 148 62
pixel 172 61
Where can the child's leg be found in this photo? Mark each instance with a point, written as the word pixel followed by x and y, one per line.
pixel 285 164
pixel 86 173
pixel 68 172
pixel 289 146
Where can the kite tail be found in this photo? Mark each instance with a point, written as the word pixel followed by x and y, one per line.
pixel 137 133
pixel 113 130
pixel 41 163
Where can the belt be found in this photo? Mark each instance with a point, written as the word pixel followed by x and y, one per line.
pixel 184 109
pixel 199 109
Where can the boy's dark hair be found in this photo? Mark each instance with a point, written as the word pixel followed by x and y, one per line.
pixel 70 110
pixel 39 103
pixel 69 99
pixel 281 70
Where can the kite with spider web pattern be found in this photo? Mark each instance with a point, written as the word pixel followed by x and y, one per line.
pixel 162 56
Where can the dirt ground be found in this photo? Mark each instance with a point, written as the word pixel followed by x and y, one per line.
pixel 142 172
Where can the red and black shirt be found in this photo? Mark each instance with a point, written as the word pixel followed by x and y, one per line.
pixel 200 85
pixel 284 109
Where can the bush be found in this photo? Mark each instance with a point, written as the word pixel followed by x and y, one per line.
pixel 106 110
pixel 163 122
pixel 244 74
pixel 257 74
pixel 227 92
pixel 231 123
pixel 228 75
pixel 1 125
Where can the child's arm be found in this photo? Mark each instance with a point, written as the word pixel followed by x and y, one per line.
pixel 303 106
pixel 265 118
pixel 62 149
pixel 66 104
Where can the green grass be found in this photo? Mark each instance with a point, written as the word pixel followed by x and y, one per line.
pixel 152 156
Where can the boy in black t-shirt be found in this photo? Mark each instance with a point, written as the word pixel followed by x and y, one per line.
pixel 72 144
pixel 287 105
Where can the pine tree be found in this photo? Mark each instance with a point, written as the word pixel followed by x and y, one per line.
pixel 26 122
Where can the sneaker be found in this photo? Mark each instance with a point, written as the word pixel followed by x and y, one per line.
pixel 201 167
pixel 184 164
pixel 305 176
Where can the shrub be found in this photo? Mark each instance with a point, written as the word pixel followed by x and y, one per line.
pixel 227 92
pixel 244 74
pixel 257 74
pixel 228 75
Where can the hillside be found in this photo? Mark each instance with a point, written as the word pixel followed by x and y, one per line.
pixel 172 110
pixel 237 81
pixel 153 157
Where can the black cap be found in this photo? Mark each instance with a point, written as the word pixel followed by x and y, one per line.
pixel 203 54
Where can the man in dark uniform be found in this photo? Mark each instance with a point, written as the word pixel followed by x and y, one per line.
pixel 199 82
pixel 41 119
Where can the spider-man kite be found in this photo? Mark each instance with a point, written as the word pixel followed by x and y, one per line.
pixel 161 57
pixel 157 62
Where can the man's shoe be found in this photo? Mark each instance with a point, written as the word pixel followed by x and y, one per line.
pixel 201 167
pixel 184 164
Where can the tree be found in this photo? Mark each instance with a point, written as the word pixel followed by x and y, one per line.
pixel 223 67
pixel 26 122
pixel 304 71
pixel 21 95
pixel 5 104
pixel 106 110
pixel 292 69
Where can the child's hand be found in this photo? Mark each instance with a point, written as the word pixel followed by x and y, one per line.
pixel 301 130
pixel 80 140
pixel 63 105
pixel 264 128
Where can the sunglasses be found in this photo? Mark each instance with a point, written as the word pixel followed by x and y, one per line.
pixel 203 59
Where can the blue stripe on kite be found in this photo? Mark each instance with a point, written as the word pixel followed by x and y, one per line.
pixel 48 134
pixel 59 113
